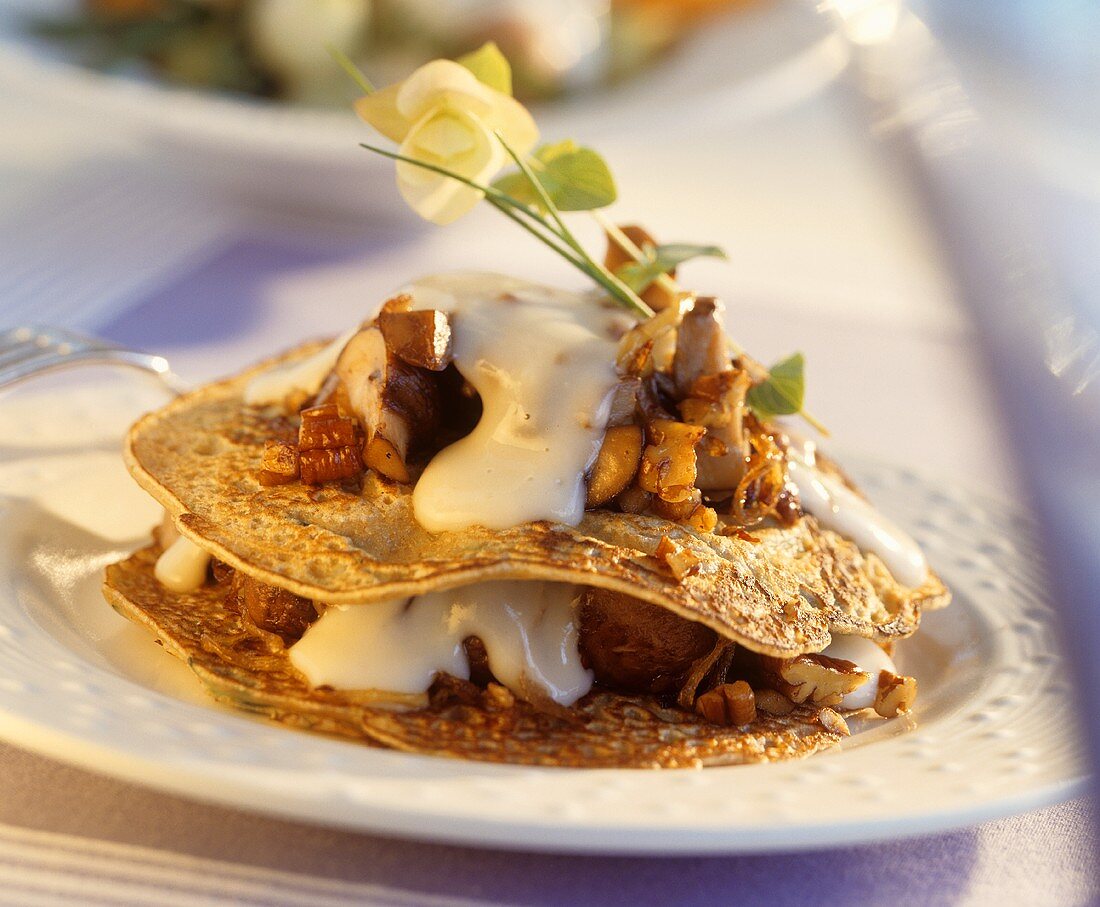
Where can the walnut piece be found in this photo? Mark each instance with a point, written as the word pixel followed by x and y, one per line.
pixel 728 704
pixel 280 463
pixel 895 694
pixel 683 562
pixel 328 446
pixel 814 678
pixel 833 722
pixel 668 462
pixel 690 512
pixel 773 702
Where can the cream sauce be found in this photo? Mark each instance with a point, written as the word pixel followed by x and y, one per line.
pixel 181 567
pixel 543 362
pixel 400 645
pixel 305 376
pixel 868 657
pixel 843 511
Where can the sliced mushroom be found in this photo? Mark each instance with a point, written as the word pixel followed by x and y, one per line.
pixel 421 338
pixel 616 464
pixel 701 345
pixel 392 399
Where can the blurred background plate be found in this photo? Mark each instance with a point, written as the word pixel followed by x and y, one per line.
pixel 739 67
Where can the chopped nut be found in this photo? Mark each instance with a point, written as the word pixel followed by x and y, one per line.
pixel 833 722
pixel 616 464
pixel 728 704
pixel 668 462
pixel 328 446
pixel 738 532
pixel 773 702
pixel 381 456
pixel 279 464
pixel 323 428
pixel 895 694
pixel 496 696
pixel 683 562
pixel 691 512
pixel 421 338
pixel 320 466
pixel 814 678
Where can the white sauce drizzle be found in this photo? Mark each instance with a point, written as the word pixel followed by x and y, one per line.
pixel 306 376
pixel 867 656
pixel 844 512
pixel 400 645
pixel 543 362
pixel 181 567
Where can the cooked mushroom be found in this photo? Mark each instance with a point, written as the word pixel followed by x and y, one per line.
pixel 421 338
pixel 635 646
pixel 701 345
pixel 392 399
pixel 616 464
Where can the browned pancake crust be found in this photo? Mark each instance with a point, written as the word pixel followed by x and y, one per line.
pixel 252 670
pixel 781 594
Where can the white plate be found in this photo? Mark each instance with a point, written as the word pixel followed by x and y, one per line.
pixel 992 733
pixel 744 67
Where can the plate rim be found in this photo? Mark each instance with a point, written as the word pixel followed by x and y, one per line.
pixel 558 837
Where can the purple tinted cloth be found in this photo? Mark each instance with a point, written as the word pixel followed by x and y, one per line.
pixel 1042 858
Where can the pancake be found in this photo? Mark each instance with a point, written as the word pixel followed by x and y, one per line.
pixel 251 670
pixel 783 591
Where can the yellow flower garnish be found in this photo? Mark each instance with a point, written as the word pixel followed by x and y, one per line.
pixel 444 116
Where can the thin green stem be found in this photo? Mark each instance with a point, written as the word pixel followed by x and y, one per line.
pixel 565 252
pixel 544 196
pixel 354 72
pixel 609 281
pixel 513 208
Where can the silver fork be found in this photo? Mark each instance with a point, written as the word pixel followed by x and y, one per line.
pixel 32 350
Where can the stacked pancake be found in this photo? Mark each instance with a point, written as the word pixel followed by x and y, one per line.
pixel 499 522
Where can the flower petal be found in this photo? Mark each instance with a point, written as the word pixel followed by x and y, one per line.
pixel 439 198
pixel 379 109
pixel 512 120
pixel 442 80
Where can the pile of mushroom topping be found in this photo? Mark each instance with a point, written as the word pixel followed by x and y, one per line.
pixel 679 441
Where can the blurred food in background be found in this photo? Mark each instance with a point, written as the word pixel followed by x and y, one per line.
pixel 280 49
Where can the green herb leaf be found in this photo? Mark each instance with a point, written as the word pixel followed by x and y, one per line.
pixel 490 67
pixel 575 179
pixel 782 392
pixel 638 275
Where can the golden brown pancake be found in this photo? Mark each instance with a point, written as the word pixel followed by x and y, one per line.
pixel 781 592
pixel 251 670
